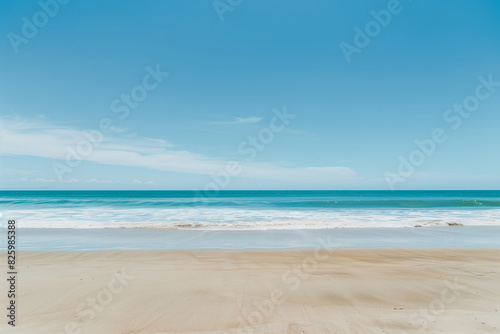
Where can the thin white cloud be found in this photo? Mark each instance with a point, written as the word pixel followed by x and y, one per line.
pixel 43 180
pixel 34 138
pixel 117 129
pixel 40 179
pixel 242 120
pixel 143 182
pixel 98 181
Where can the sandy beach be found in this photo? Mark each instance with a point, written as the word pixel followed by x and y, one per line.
pixel 432 290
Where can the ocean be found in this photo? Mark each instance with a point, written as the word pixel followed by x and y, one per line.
pixel 250 210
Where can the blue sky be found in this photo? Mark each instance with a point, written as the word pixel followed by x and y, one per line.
pixel 354 118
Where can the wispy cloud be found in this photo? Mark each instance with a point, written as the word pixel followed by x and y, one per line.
pixel 44 180
pixel 242 120
pixel 142 182
pixel 99 181
pixel 34 138
pixel 38 180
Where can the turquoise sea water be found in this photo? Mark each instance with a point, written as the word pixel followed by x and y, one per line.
pixel 250 210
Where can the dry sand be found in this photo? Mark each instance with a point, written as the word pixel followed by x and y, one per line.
pixel 287 291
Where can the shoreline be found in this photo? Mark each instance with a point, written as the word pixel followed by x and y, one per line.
pixel 159 239
pixel 395 290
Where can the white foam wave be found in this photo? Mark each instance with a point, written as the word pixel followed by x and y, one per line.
pixel 230 218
